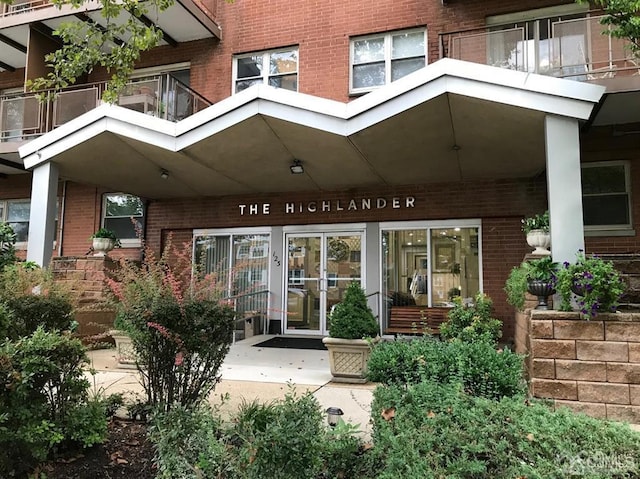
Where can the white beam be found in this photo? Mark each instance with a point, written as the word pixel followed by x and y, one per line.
pixel 564 187
pixel 42 217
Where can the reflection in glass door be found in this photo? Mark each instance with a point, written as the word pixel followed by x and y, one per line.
pixel 320 267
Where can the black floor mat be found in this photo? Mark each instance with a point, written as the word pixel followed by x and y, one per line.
pixel 292 343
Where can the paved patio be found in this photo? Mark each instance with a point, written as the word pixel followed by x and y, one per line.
pixel 254 373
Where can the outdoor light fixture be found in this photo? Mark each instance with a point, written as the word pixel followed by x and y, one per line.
pixel 333 415
pixel 296 168
pixel 164 174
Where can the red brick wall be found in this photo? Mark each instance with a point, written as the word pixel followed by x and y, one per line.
pixel 500 204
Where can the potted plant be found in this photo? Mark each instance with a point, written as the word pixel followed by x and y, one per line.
pixel 103 241
pixel 352 330
pixel 537 230
pixel 538 277
pixel 595 282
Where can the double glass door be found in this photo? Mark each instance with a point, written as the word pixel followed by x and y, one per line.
pixel 320 267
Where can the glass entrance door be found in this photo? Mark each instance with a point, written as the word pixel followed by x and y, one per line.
pixel 320 267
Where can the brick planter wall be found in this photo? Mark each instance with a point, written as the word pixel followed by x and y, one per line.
pixel 86 276
pixel 588 366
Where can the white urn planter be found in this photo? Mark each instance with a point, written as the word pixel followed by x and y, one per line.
pixel 348 358
pixel 101 246
pixel 540 240
pixel 125 354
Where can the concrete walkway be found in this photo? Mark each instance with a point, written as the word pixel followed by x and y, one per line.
pixel 253 373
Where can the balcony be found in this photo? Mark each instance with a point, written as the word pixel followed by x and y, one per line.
pixel 23 117
pixel 183 21
pixel 578 49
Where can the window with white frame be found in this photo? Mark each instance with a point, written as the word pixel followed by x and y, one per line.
pixel 124 215
pixel 377 60
pixel 278 68
pixel 606 195
pixel 16 214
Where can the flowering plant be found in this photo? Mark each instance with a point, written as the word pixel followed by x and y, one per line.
pixel 537 222
pixel 179 325
pixel 595 281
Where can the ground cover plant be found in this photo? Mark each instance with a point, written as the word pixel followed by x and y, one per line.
pixel 430 430
pixel 287 439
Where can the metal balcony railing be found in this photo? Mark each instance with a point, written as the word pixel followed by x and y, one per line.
pixel 22 6
pixel 579 49
pixel 23 116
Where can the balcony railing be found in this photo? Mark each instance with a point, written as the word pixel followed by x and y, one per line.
pixel 578 49
pixel 23 116
pixel 22 6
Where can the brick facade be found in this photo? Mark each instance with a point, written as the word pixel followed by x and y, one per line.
pixel 322 31
pixel 588 366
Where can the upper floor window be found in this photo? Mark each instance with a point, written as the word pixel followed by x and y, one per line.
pixel 278 68
pixel 124 214
pixel 377 60
pixel 606 195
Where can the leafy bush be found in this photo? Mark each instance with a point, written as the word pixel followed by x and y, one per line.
pixel 478 367
pixel 30 312
pixel 179 329
pixel 286 439
pixel 352 318
pixel 472 322
pixel 44 398
pixel 7 245
pixel 189 442
pixel 430 431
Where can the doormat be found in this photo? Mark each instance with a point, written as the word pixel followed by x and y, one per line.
pixel 292 343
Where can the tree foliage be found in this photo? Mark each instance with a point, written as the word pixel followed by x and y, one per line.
pixel 624 20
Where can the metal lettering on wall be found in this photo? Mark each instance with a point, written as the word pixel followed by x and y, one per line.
pixel 330 206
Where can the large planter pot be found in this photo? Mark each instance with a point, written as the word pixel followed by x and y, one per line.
pixel 348 358
pixel 101 246
pixel 125 354
pixel 540 240
pixel 541 289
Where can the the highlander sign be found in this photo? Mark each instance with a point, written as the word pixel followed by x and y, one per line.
pixel 329 206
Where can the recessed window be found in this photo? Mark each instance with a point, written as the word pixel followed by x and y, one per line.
pixel 377 60
pixel 278 68
pixel 124 214
pixel 606 197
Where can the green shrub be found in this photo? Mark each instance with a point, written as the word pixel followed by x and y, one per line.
pixel 44 398
pixel 352 318
pixel 190 440
pixel 434 431
pixel 478 367
pixel 179 327
pixel 30 312
pixel 179 348
pixel 472 322
pixel 7 245
pixel 285 439
pixel 6 322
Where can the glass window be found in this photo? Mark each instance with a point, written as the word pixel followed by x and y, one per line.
pixel 428 266
pixel 240 263
pixel 124 214
pixel 18 218
pixel 606 197
pixel 16 213
pixel 276 68
pixel 380 59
